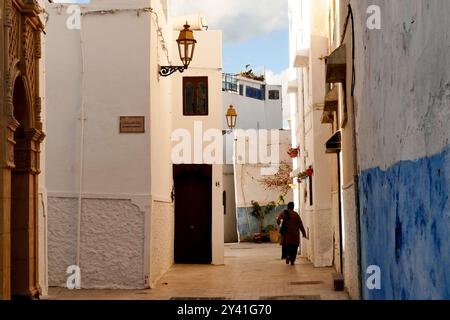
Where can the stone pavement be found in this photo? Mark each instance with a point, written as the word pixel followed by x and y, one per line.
pixel 251 272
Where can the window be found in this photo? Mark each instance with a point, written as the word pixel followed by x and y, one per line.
pixel 224 200
pixel 241 89
pixel 195 96
pixel 229 82
pixel 274 95
pixel 254 93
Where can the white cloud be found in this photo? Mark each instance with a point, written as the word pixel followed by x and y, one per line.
pixel 238 19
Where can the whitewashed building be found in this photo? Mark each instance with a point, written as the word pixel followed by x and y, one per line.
pixel 112 192
pixel 308 43
pixel 259 110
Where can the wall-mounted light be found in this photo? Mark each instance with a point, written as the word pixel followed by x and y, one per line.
pixel 186 45
pixel 231 117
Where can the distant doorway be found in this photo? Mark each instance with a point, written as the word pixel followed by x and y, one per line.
pixel 24 231
pixel 193 214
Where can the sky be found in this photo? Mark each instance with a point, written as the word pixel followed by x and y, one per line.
pixel 255 32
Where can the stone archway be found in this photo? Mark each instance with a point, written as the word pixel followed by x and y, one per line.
pixel 20 138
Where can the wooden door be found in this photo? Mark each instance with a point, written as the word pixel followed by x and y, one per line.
pixel 193 213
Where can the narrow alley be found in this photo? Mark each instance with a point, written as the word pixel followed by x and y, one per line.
pixel 187 149
pixel 251 272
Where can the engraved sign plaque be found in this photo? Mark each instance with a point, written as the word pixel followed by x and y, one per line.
pixel 132 124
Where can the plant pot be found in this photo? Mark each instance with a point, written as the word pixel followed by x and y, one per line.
pixel 274 236
pixel 257 238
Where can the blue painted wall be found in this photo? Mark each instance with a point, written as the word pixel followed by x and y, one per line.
pixel 405 228
pixel 248 225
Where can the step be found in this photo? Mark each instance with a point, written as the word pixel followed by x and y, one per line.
pixel 338 281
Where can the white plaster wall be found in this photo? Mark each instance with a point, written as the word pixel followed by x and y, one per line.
pixel 230 222
pixel 125 93
pixel 307 245
pixel 112 244
pixel 117 168
pixel 323 238
pixel 350 249
pixel 62 238
pixel 160 228
pixel 111 255
pixel 336 232
pixel 218 248
pixel 248 177
pixel 308 29
pixel 207 62
pixel 162 240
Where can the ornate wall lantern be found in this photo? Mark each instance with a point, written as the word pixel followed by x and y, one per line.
pixel 231 117
pixel 186 45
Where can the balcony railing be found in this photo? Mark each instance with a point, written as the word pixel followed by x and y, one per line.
pixel 229 82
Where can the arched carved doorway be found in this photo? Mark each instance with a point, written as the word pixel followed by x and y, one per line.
pixel 21 135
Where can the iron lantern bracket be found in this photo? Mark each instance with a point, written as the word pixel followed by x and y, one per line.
pixel 165 71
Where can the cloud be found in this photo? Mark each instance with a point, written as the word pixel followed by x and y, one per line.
pixel 239 20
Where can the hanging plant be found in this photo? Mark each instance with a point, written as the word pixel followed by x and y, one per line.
pixel 293 152
pixel 305 174
pixel 309 172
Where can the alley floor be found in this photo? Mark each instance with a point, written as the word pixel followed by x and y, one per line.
pixel 251 272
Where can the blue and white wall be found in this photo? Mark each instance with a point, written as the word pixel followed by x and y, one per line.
pixel 403 132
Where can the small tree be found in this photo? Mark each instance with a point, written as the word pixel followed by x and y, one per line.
pixel 259 213
pixel 281 181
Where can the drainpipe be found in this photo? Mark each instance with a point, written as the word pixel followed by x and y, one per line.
pixel 44 215
pixel 81 170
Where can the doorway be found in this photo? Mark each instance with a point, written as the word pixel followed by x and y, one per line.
pixel 193 214
pixel 23 203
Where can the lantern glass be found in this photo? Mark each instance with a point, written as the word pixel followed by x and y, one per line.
pixel 186 45
pixel 231 117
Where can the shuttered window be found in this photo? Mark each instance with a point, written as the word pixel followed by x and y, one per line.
pixel 195 96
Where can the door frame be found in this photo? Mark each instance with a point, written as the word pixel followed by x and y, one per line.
pixel 207 171
pixel 20 47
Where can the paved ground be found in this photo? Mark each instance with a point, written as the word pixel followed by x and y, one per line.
pixel 251 272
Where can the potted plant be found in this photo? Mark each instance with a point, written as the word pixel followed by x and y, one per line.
pixel 272 230
pixel 258 213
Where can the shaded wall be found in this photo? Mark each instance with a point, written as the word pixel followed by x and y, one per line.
pixel 403 115
pixel 249 225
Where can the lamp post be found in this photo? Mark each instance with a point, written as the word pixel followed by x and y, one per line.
pixel 186 45
pixel 231 117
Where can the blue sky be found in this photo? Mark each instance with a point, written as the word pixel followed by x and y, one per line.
pixel 255 32
pixel 261 52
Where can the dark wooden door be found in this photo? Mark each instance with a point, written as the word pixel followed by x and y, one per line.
pixel 193 213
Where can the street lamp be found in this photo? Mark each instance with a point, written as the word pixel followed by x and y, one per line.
pixel 231 117
pixel 186 45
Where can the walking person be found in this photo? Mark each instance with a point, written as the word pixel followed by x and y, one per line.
pixel 291 226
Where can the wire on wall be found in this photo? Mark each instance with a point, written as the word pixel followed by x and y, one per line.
pixel 347 20
pixel 138 12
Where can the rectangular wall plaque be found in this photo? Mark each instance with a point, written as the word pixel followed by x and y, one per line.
pixel 132 124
